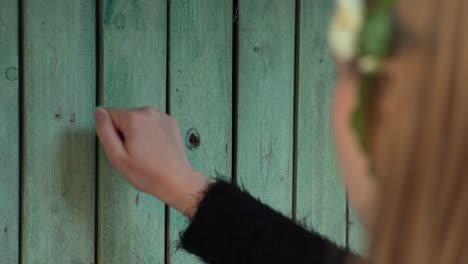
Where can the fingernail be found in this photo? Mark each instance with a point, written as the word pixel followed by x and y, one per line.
pixel 99 113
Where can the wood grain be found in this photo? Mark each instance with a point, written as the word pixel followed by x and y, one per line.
pixel 321 197
pixel 9 132
pixel 59 139
pixel 265 100
pixel 201 91
pixel 133 74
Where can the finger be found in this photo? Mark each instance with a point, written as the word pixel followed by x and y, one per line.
pixel 119 117
pixel 109 137
pixel 149 110
pixel 128 119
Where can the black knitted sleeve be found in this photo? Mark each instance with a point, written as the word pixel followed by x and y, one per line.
pixel 231 226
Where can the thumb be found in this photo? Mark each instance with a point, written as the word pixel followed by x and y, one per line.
pixel 109 137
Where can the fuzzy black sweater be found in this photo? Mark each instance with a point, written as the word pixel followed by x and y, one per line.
pixel 231 226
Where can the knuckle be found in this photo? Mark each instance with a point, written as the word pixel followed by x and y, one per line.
pixel 120 160
pixel 150 110
pixel 173 122
pixel 135 119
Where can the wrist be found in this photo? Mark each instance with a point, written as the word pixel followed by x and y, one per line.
pixel 190 193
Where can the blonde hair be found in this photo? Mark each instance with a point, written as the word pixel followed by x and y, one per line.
pixel 420 142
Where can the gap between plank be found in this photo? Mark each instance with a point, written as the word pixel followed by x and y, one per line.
pixel 167 219
pixel 296 106
pixel 20 128
pixel 98 56
pixel 235 86
pixel 348 222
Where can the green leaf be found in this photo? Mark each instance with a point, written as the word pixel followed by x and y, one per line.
pixel 376 36
pixel 359 118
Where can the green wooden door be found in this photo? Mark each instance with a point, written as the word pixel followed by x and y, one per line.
pixel 252 79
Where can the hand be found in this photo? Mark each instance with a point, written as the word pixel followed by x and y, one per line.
pixel 145 145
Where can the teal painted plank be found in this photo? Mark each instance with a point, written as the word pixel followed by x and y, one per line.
pixel 265 102
pixel 201 91
pixel 321 197
pixel 9 132
pixel 59 139
pixel 133 70
pixel 358 240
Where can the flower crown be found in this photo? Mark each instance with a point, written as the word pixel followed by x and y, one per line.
pixel 362 34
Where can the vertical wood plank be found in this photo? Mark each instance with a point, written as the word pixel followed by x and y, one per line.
pixel 265 100
pixel 358 240
pixel 321 197
pixel 59 139
pixel 9 132
pixel 133 74
pixel 201 91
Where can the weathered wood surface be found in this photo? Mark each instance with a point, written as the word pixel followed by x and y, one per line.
pixel 321 197
pixel 131 227
pixel 265 100
pixel 60 93
pixel 59 139
pixel 358 240
pixel 201 91
pixel 9 132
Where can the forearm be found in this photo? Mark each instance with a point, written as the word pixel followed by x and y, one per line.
pixel 232 227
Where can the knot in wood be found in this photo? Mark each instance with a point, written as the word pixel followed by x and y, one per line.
pixel 192 139
pixel 11 74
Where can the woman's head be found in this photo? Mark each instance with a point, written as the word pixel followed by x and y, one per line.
pixel 416 201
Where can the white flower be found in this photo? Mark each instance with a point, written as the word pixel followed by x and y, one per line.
pixel 346 27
